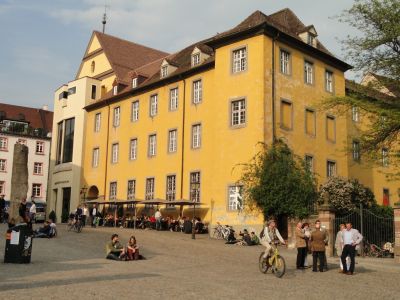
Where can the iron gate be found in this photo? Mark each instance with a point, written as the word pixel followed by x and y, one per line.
pixel 375 229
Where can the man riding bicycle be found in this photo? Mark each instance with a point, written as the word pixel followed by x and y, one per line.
pixel 269 235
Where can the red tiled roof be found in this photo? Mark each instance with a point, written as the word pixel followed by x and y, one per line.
pixel 125 56
pixel 37 118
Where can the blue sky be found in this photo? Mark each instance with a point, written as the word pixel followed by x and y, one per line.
pixel 42 41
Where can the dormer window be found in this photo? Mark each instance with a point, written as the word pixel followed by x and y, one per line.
pixel 115 90
pixel 310 39
pixel 195 59
pixel 134 82
pixel 164 71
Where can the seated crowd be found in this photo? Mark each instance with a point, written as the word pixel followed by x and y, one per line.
pixel 48 230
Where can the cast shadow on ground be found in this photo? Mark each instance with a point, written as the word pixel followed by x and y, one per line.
pixel 71 281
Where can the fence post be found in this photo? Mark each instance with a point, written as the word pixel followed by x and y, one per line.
pixel 326 215
pixel 397 233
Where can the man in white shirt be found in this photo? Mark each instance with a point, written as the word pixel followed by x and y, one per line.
pixel 94 216
pixel 32 211
pixel 158 217
pixel 351 240
pixel 85 215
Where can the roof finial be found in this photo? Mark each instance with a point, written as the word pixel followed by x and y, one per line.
pixel 104 18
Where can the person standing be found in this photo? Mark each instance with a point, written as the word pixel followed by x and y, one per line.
pixel 2 208
pixel 351 241
pixel 318 238
pixel 94 215
pixel 307 233
pixel 158 217
pixel 339 246
pixel 85 214
pixel 301 246
pixel 32 211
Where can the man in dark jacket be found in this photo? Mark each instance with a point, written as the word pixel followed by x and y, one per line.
pixel 318 239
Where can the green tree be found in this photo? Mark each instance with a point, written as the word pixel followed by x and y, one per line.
pixel 375 50
pixel 279 182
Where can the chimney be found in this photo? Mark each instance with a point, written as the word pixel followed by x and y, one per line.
pixel 45 107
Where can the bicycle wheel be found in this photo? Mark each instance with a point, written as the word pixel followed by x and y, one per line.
pixel 78 227
pixel 279 266
pixel 263 263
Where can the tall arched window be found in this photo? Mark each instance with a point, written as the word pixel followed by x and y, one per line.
pixel 93 66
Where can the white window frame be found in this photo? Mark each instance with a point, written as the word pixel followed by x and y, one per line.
pixel 195 186
pixel 170 194
pixel 164 71
pixel 329 78
pixel 196 136
pixel 97 122
pixel 115 90
pixel 331 172
pixel 153 105
pixel 238 112
pixel 133 149
pixel 113 190
pixel 152 145
pixel 150 188
pixel 284 62
pixel 195 59
pixel 308 72
pixel 131 189
pixel 39 147
pixel 173 99
pixel 134 82
pixel 37 190
pixel 355 114
pixel 239 60
pixel 235 199
pixel 37 168
pixel 114 153
pixel 197 91
pixel 95 157
pixel 172 140
pixel 135 110
pixel 117 116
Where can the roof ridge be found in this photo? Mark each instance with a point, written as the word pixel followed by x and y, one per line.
pixel 127 41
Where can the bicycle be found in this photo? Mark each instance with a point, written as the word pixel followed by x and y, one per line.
pixel 222 232
pixel 75 225
pixel 275 262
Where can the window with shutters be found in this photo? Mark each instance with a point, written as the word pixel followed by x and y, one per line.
pixel 310 122
pixel 331 128
pixel 286 115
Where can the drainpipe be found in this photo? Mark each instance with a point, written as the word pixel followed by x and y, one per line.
pixel 183 135
pixel 106 160
pixel 273 90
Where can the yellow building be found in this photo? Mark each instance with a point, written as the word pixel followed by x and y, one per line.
pixel 180 126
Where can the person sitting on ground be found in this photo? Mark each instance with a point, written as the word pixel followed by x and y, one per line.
pixel 53 228
pixel 199 226
pixel 132 249
pixel 246 239
pixel 114 249
pixel 254 239
pixel 43 232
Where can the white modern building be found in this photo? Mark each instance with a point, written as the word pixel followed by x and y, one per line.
pixel 31 127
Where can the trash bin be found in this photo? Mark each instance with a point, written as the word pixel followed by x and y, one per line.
pixel 18 244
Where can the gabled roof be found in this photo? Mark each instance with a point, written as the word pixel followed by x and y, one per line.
pixel 125 56
pixel 37 118
pixel 284 20
pixel 393 86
